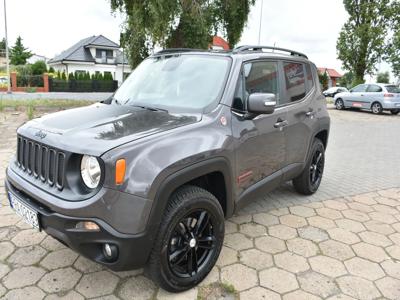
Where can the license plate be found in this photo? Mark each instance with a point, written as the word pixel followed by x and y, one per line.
pixel 29 215
pixel 357 105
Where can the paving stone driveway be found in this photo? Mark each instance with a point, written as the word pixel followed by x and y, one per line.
pixel 341 243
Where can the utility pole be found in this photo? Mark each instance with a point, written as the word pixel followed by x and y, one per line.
pixel 7 55
pixel 259 28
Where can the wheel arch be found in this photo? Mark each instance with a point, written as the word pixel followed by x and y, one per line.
pixel 214 175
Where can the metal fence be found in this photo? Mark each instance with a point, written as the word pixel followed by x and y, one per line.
pixel 82 86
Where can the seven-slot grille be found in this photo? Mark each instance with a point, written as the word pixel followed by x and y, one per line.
pixel 44 163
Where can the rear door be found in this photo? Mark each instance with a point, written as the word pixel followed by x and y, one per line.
pixel 374 93
pixel 299 92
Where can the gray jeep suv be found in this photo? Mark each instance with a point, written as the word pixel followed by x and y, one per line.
pixel 148 177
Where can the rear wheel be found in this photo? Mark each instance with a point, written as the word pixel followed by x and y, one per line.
pixel 339 104
pixel 189 240
pixel 395 111
pixel 308 181
pixel 376 108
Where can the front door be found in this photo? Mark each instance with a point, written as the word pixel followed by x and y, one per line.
pixel 357 97
pixel 260 150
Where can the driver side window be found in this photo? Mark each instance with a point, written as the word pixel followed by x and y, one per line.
pixel 256 77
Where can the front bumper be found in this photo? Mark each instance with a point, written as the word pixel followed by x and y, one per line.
pixel 133 249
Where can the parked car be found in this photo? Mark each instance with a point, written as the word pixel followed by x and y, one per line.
pixel 376 97
pixel 331 92
pixel 148 177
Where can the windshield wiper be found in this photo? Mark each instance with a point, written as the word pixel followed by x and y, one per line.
pixel 152 108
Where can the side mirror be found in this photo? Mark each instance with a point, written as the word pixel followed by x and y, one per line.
pixel 260 103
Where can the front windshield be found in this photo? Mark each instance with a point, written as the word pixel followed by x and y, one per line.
pixel 393 89
pixel 178 82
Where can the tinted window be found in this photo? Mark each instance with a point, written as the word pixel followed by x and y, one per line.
pixel 392 89
pixel 295 81
pixel 310 82
pixel 360 88
pixel 239 99
pixel 374 88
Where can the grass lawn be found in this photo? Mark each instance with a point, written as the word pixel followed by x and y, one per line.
pixel 41 104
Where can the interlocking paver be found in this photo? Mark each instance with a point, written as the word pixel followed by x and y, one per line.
pixel 259 293
pixel 358 288
pixel 317 284
pixel 187 295
pixel 364 268
pixel 389 287
pixel 22 277
pixel 256 259
pixel 27 256
pixel 247 279
pixel 59 259
pixel 253 230
pixel 360 233
pixel 278 280
pixel 370 252
pixel 97 284
pixel 327 266
pixel 60 280
pixel 336 250
pixel 270 244
pixel 228 256
pixel 302 247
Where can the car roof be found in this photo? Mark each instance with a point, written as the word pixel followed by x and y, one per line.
pixel 247 52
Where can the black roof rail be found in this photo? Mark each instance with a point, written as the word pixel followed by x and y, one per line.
pixel 260 48
pixel 177 50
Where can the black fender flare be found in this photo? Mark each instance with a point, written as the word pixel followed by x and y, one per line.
pixel 184 175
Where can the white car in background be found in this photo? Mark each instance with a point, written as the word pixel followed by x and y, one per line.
pixel 376 97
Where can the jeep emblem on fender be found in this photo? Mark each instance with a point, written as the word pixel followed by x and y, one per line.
pixel 40 134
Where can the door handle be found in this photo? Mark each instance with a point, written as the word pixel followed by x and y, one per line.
pixel 310 114
pixel 281 124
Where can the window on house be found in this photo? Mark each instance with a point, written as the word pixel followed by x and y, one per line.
pixel 104 53
pixel 295 81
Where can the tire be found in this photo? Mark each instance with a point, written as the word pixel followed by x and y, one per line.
pixel 307 183
pixel 339 104
pixel 177 246
pixel 376 108
pixel 395 111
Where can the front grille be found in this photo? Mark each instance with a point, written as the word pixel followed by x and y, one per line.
pixel 42 162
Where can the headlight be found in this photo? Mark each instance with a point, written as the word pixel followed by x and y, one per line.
pixel 90 171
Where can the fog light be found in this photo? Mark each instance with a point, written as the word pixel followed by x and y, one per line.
pixel 88 226
pixel 110 251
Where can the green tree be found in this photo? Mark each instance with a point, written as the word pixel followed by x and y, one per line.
pixel 347 80
pixel 39 67
pixel 19 54
pixel 3 44
pixel 63 76
pixel 361 42
pixel 383 77
pixel 393 53
pixel 51 70
pixel 323 80
pixel 179 24
pixel 71 76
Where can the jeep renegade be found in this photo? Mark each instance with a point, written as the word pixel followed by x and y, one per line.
pixel 147 177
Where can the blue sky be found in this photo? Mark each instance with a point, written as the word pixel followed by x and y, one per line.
pixel 50 26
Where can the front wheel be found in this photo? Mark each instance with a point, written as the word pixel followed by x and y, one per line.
pixel 377 108
pixel 395 111
pixel 189 240
pixel 308 181
pixel 339 104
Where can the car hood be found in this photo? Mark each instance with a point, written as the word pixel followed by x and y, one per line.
pixel 98 128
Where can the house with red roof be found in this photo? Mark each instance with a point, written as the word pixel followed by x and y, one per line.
pixel 219 43
pixel 333 76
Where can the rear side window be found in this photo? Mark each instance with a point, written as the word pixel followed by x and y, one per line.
pixel 309 81
pixel 295 81
pixel 374 88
